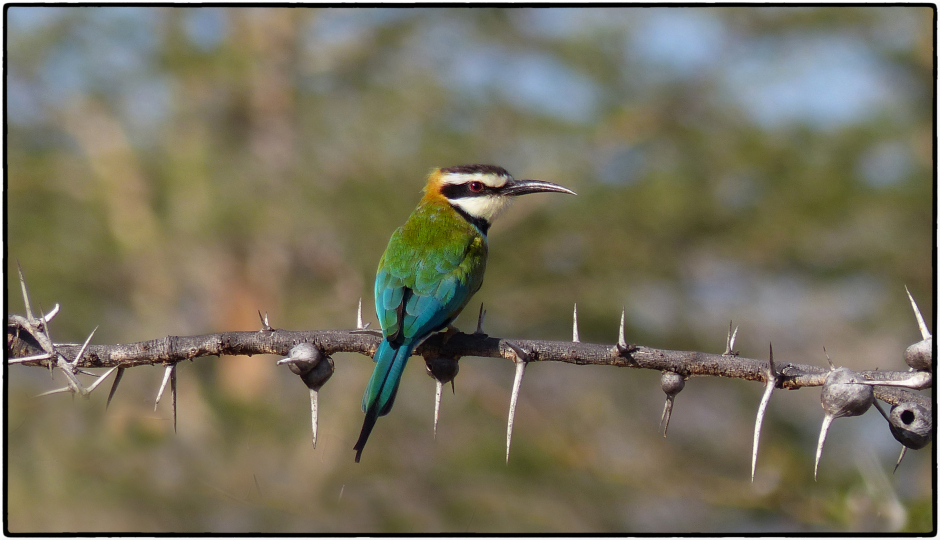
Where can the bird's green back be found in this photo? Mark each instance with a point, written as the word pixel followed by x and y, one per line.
pixel 438 258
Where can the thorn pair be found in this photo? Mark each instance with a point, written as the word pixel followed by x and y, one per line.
pixel 265 326
pixel 169 375
pixel 729 344
pixel 844 394
pixel 673 383
pixel 480 318
pixel 70 369
pixel 522 357
pixel 39 329
pixel 919 356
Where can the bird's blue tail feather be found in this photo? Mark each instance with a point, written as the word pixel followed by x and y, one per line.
pixel 380 393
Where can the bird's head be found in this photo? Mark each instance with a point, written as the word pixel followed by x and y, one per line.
pixel 481 192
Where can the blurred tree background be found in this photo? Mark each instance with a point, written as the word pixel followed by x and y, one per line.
pixel 175 170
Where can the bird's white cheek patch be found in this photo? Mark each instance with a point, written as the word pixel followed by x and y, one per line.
pixel 482 207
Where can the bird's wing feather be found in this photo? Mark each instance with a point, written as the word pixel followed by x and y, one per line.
pixel 389 293
pixel 433 284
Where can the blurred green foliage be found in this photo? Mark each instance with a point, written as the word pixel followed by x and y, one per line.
pixel 175 170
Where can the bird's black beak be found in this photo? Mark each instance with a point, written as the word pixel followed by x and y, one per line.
pixel 523 187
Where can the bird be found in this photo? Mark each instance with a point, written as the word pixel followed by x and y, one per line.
pixel 432 266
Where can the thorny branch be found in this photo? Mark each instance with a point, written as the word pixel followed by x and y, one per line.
pixel 172 349
pixel 845 392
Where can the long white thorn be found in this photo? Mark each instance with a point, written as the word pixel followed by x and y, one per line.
pixel 924 331
pixel 574 329
pixel 516 385
pixel 768 390
pixel 620 339
pixel 918 380
pixel 827 420
pixel 56 391
pixel 166 378
pixel 98 381
pixel 29 311
pixel 765 400
pixel 81 352
pixel 438 391
pixel 43 356
pixel 729 345
pixel 313 414
pixel 359 325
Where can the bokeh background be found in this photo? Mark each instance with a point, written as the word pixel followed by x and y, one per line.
pixel 172 171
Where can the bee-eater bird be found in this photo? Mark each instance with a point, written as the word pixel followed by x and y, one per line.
pixel 432 266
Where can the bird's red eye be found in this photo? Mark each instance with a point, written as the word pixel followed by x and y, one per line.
pixel 476 187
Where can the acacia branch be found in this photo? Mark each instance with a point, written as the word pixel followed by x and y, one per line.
pixel 173 349
pixel 845 392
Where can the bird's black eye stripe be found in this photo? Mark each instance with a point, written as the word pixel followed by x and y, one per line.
pixel 457 191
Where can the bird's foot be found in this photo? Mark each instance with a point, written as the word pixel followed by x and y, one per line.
pixel 448 333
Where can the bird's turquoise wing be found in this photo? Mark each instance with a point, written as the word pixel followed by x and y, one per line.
pixel 434 308
pixel 389 293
